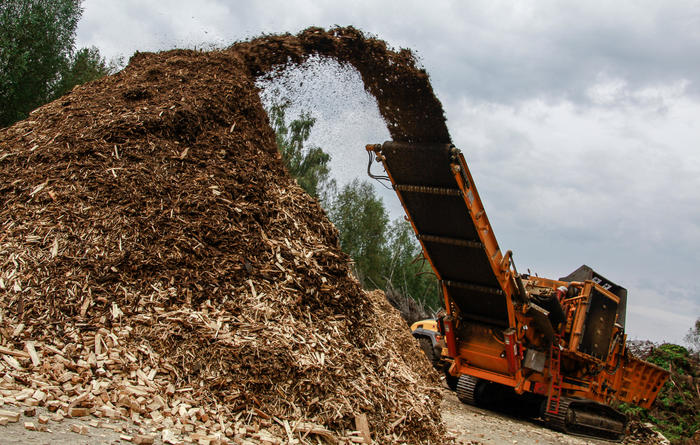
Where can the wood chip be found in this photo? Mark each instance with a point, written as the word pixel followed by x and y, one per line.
pixel 10 360
pixel 29 346
pixel 362 425
pixel 80 429
pixel 79 412
pixel 14 352
pixel 11 416
pixel 142 439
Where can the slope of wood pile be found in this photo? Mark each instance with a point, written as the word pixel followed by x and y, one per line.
pixel 157 262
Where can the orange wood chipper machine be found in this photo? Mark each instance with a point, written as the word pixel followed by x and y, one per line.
pixel 557 347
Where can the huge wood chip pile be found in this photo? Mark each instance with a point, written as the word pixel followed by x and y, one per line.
pixel 158 263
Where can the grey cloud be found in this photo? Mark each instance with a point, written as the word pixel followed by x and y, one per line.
pixel 562 57
pixel 473 49
pixel 603 169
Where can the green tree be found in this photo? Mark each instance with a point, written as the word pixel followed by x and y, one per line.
pixel 38 61
pixel 693 336
pixel 406 270
pixel 360 217
pixel 85 65
pixel 309 165
pixel 386 256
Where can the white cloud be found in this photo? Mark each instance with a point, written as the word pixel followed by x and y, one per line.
pixel 607 91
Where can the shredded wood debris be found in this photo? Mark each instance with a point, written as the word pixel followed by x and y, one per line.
pixel 158 264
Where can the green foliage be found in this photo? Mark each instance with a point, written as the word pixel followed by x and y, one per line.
pixel 406 270
pixel 671 357
pixel 385 255
pixel 360 217
pixel 676 412
pixel 633 411
pixel 86 64
pixel 38 62
pixel 309 165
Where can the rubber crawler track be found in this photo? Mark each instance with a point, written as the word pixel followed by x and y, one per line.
pixel 558 421
pixel 465 389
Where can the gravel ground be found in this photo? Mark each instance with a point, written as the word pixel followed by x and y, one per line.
pixel 472 425
pixel 467 424
pixel 97 431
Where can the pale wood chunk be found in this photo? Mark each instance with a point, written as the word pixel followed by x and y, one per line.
pixel 109 412
pixel 53 405
pixel 18 330
pixel 98 344
pixel 169 437
pixel 11 416
pixel 39 395
pixel 29 346
pixel 79 412
pixel 157 416
pixel 12 362
pixel 14 352
pixel 362 425
pixel 142 439
pixel 80 429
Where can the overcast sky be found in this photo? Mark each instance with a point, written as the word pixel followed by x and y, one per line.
pixel 579 121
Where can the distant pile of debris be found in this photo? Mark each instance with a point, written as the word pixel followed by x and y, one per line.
pixel 158 263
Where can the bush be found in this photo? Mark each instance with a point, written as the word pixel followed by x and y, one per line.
pixel 676 412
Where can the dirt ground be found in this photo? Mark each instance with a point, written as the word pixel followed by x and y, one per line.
pixel 96 431
pixel 468 425
pixel 471 425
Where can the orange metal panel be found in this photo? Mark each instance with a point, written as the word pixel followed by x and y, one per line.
pixel 481 222
pixel 486 375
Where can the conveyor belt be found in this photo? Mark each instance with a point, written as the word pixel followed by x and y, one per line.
pixel 422 176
